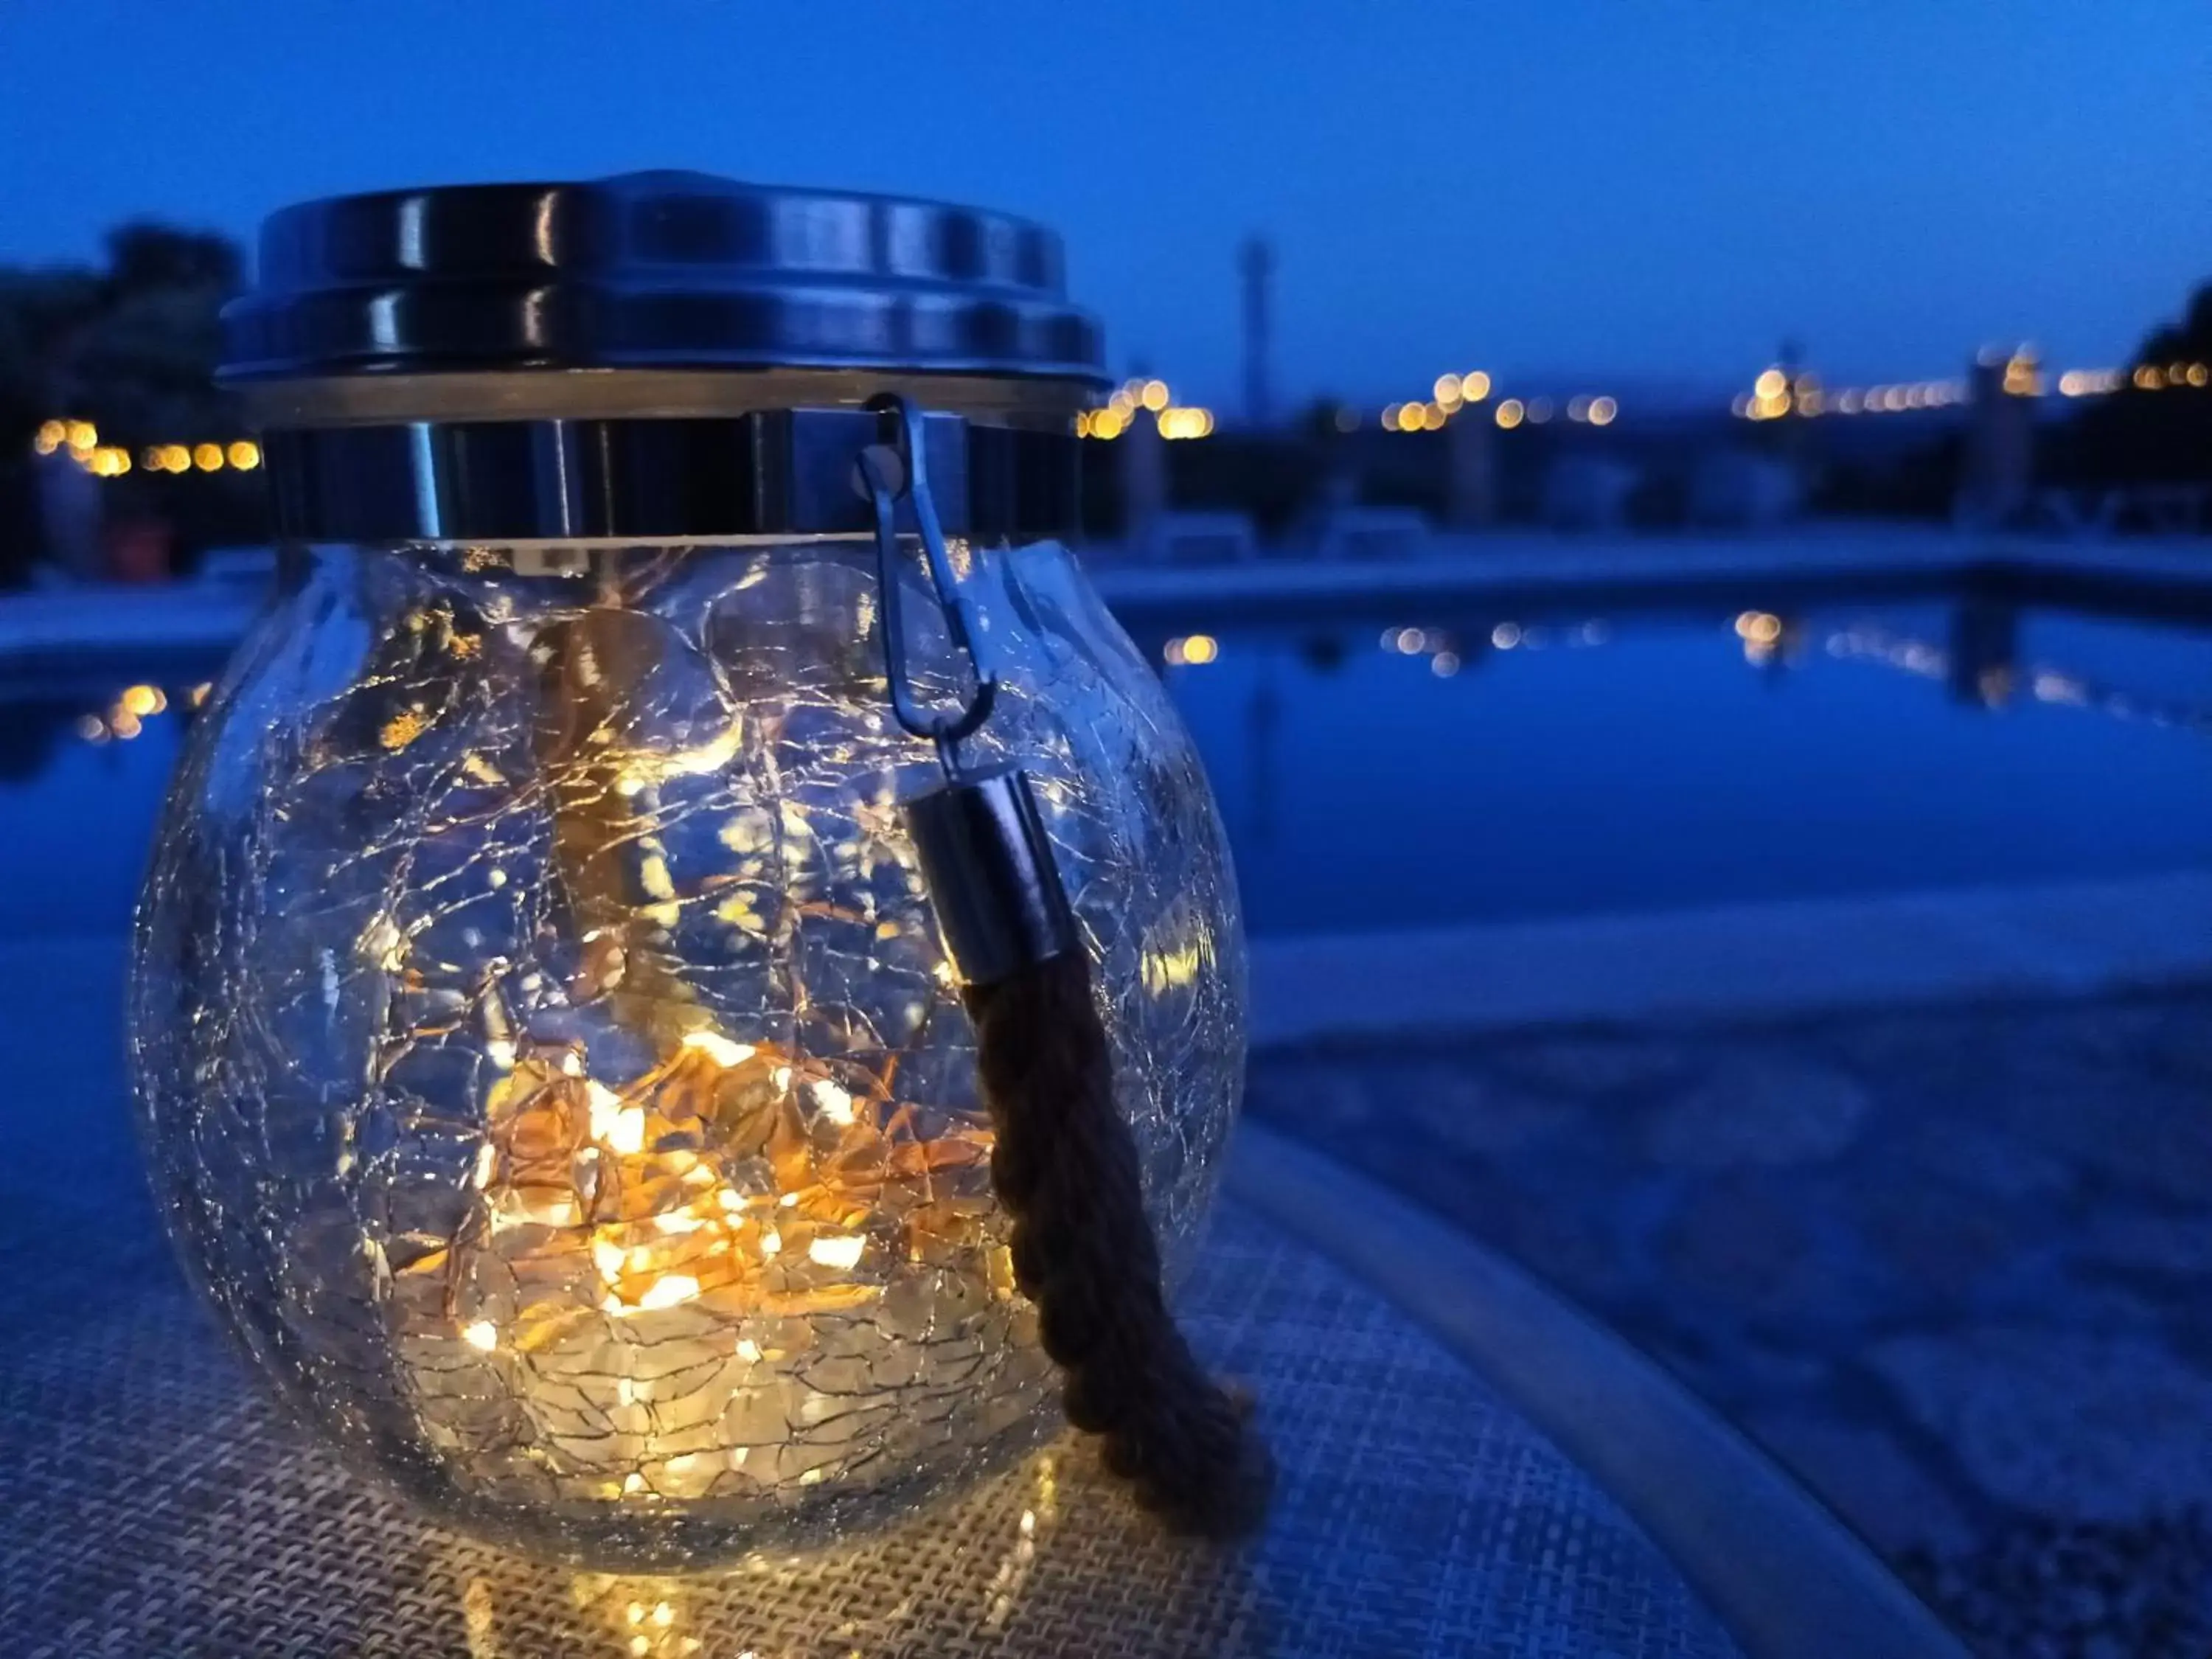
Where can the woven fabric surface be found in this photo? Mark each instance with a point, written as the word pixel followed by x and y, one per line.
pixel 153 1503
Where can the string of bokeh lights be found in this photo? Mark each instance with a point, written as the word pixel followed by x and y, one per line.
pixel 1778 392
pixel 1133 401
pixel 79 441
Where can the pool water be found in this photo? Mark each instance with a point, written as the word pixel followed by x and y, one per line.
pixel 1480 767
pixel 1484 768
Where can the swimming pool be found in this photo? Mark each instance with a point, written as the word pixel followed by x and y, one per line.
pixel 1472 766
pixel 1489 767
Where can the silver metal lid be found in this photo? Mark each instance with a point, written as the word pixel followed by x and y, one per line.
pixel 659 271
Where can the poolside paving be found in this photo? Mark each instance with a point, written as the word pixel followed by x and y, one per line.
pixel 1952 1264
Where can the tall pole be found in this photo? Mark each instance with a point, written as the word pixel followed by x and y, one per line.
pixel 1257 262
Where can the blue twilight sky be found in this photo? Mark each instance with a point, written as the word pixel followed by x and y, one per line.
pixel 1616 190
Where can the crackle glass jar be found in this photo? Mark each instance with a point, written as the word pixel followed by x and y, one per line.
pixel 546 1057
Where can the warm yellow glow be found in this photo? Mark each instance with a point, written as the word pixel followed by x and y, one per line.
pixel 1433 416
pixel 1509 413
pixel 2197 375
pixel 1447 389
pixel 1108 423
pixel 1601 411
pixel 81 434
pixel 1760 627
pixel 835 1100
pixel 144 700
pixel 1390 416
pixel 1473 386
pixel 208 457
pixel 719 1048
pixel 1412 417
pixel 830 1251
pixel 669 1290
pixel 482 1334
pixel 51 435
pixel 244 455
pixel 1771 383
pixel 124 724
pixel 1154 396
pixel 2148 379
pixel 1200 648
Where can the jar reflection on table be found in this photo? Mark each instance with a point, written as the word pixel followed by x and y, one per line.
pixel 547 1054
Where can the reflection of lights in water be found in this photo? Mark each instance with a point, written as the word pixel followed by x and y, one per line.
pixel 1194 650
pixel 1761 632
pixel 1998 683
pixel 1505 635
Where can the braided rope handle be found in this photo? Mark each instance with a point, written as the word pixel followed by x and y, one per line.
pixel 1065 1169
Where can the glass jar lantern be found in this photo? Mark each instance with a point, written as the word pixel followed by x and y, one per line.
pixel 546 1055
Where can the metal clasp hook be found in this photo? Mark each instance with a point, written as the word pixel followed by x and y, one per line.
pixel 885 473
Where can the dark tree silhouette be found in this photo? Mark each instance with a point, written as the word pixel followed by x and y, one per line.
pixel 2161 435
pixel 133 348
